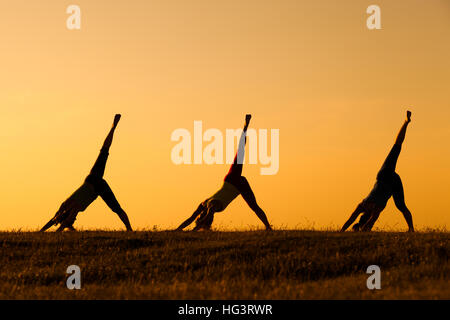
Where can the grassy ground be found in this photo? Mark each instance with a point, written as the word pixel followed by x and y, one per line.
pixel 224 265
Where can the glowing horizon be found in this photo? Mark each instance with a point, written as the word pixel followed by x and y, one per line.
pixel 336 91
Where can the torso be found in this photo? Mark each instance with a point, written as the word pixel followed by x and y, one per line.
pixel 381 192
pixel 84 195
pixel 225 194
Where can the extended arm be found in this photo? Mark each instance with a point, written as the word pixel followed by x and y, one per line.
pixel 67 208
pixel 48 225
pixel 191 218
pixel 353 217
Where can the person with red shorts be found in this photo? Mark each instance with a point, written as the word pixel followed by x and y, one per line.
pixel 234 185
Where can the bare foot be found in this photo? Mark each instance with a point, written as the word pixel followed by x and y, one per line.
pixel 247 120
pixel 117 119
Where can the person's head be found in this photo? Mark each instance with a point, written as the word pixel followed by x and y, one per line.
pixel 206 217
pixel 356 226
pixel 362 221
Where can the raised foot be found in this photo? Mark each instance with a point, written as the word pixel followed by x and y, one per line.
pixel 247 120
pixel 117 119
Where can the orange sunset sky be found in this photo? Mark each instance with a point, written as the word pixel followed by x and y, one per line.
pixel 337 92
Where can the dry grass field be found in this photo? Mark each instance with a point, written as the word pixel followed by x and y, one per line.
pixel 224 265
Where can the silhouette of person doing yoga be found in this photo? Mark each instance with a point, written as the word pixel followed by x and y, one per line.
pixel 93 186
pixel 234 184
pixel 388 184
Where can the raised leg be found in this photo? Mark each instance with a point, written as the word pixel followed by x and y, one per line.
pixel 236 168
pixel 401 135
pixel 98 170
pixel 391 161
